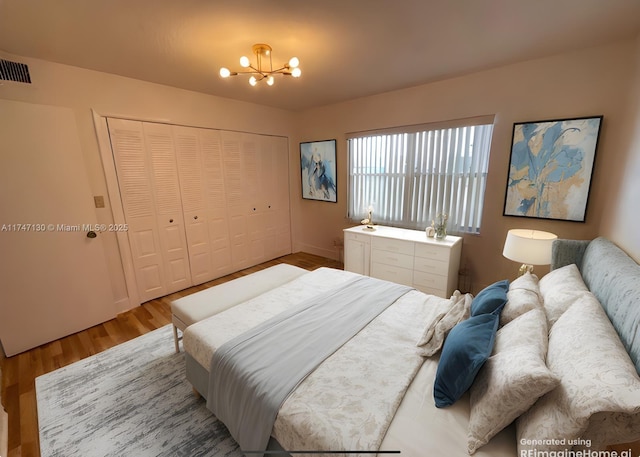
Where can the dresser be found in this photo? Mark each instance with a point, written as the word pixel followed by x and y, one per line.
pixel 404 256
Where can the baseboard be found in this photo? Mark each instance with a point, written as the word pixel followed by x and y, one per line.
pixel 332 254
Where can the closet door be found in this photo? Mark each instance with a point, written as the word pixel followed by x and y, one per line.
pixel 257 180
pixel 188 154
pixel 134 179
pixel 280 219
pixel 236 198
pixel 170 220
pixel 215 201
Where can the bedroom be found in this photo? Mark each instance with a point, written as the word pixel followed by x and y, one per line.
pixel 601 78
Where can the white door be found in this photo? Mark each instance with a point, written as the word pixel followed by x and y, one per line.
pixel 54 279
pixel 136 191
pixel 166 187
pixel 236 196
pixel 188 154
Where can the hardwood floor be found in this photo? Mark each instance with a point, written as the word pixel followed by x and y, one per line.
pixel 20 371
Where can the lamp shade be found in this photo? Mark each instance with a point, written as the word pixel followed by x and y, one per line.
pixel 532 247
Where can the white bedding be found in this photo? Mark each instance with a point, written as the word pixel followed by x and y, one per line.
pixel 350 399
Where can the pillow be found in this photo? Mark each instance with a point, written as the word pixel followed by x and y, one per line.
pixel 447 315
pixel 599 391
pixel 527 281
pixel 490 299
pixel 512 379
pixel 560 289
pixel 465 350
pixel 523 296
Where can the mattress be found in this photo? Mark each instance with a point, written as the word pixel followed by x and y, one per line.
pixel 417 429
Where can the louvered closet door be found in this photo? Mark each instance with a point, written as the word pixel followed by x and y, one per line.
pixel 134 179
pixel 161 150
pixel 236 198
pixel 280 213
pixel 257 185
pixel 188 154
pixel 269 180
pixel 215 201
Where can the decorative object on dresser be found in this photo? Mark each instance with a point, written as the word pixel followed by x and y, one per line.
pixel 404 256
pixel 551 168
pixel 318 170
pixel 531 247
pixel 368 221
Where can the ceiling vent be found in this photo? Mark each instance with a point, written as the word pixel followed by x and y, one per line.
pixel 14 71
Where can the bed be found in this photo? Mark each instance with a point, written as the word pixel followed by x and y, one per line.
pixel 376 392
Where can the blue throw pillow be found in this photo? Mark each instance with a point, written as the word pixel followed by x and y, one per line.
pixel 491 299
pixel 465 350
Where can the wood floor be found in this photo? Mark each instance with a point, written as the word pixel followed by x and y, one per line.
pixel 19 372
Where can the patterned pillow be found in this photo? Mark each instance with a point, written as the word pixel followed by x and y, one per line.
pixel 560 289
pixel 523 296
pixel 599 391
pixel 513 378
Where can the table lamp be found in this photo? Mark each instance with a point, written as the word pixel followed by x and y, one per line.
pixel 531 247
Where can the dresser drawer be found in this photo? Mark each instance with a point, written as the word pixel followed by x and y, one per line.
pixel 391 245
pixel 391 258
pixel 431 251
pixel 430 280
pixel 356 237
pixel 436 266
pixel 392 273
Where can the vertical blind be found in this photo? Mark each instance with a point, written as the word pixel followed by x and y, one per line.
pixel 411 177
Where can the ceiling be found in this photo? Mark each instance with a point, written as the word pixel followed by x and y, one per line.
pixel 347 48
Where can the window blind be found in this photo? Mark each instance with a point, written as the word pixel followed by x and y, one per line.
pixel 411 177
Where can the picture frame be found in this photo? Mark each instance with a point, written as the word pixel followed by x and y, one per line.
pixel 551 168
pixel 318 170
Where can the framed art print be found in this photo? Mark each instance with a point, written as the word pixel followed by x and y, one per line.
pixel 318 170
pixel 551 168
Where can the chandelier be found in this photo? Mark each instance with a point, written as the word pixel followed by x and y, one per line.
pixel 263 68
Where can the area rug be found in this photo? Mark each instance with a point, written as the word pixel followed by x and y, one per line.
pixel 132 399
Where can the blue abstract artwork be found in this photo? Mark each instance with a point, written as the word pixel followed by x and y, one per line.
pixel 551 168
pixel 318 170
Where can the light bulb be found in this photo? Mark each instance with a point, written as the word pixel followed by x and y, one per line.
pixel 296 72
pixel 294 62
pixel 244 62
pixel 224 72
pixel 253 81
pixel 270 80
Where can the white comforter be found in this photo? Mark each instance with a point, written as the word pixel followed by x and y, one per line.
pixel 349 402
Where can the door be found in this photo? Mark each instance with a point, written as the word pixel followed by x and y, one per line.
pixel 54 279
pixel 136 191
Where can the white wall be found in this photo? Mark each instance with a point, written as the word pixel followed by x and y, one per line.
pixel 621 222
pixel 583 83
pixel 83 90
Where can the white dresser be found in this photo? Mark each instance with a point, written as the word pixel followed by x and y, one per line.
pixel 404 256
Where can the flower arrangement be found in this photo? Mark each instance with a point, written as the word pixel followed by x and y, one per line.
pixel 439 224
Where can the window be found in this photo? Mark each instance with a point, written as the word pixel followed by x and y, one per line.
pixel 411 176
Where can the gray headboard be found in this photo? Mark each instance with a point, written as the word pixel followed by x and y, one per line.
pixel 614 278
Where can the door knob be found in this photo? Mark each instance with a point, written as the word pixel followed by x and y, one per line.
pixel 91 234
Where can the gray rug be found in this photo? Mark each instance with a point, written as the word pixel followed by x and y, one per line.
pixel 132 399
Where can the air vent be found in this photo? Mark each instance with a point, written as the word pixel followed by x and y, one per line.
pixel 14 71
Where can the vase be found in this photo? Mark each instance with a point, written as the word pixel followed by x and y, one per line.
pixel 441 232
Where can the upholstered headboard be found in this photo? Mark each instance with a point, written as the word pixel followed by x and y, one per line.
pixel 614 278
